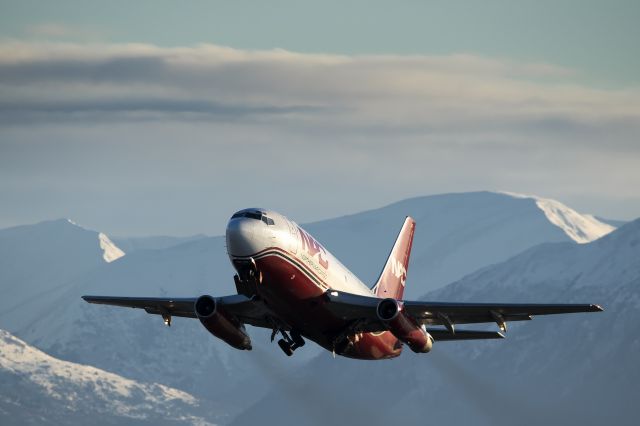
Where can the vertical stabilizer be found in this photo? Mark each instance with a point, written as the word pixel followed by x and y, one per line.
pixel 394 274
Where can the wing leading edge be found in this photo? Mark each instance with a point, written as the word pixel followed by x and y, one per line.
pixel 179 307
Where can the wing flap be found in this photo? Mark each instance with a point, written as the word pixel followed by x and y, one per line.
pixel 440 335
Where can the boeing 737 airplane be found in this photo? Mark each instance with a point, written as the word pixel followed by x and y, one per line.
pixel 289 283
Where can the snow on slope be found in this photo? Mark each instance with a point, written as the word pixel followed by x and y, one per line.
pixel 582 228
pixel 111 251
pixel 80 388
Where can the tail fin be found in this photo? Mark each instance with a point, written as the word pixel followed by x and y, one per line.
pixel 394 273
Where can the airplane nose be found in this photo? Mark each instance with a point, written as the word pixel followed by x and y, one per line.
pixel 241 235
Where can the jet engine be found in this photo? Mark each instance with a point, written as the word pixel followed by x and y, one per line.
pixel 403 326
pixel 221 324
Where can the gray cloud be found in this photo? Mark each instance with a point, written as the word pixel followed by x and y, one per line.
pixel 132 109
pixel 137 139
pixel 54 70
pixel 395 91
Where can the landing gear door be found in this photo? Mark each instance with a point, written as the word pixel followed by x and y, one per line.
pixel 294 237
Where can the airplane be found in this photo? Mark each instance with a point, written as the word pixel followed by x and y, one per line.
pixel 289 283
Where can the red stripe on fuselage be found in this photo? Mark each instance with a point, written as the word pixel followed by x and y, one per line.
pixel 294 292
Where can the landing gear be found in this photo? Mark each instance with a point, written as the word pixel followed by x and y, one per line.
pixel 286 347
pixel 248 277
pixel 289 343
pixel 298 341
pixel 341 346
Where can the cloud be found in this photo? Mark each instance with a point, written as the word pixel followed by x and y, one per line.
pixel 105 131
pixel 428 92
pixel 136 109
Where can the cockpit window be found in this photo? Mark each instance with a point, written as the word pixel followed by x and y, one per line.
pixel 267 220
pixel 257 216
pixel 254 215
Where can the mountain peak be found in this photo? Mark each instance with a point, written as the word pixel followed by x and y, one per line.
pixel 62 235
pixel 71 222
pixel 581 228
pixel 60 222
pixel 110 251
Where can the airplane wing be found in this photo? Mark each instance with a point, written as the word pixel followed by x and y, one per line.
pixel 362 311
pixel 469 313
pixel 243 308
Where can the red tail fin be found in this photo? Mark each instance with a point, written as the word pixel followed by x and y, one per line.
pixel 394 273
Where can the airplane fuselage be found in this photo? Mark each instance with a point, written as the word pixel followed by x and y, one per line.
pixel 295 271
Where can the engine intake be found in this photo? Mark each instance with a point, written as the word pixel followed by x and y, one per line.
pixel 206 306
pixel 221 324
pixel 403 326
pixel 388 309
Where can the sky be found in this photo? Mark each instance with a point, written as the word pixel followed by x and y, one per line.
pixel 158 117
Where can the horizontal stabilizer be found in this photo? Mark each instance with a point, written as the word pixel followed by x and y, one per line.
pixel 443 334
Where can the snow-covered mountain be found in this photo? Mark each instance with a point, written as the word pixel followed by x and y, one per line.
pixel 456 235
pixel 570 369
pixel 36 388
pixel 582 228
pixel 36 261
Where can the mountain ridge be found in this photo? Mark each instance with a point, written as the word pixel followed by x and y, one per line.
pixel 457 234
pixel 38 388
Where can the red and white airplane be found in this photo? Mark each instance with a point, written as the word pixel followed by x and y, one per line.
pixel 289 283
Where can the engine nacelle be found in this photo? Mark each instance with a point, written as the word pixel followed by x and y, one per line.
pixel 220 324
pixel 404 327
